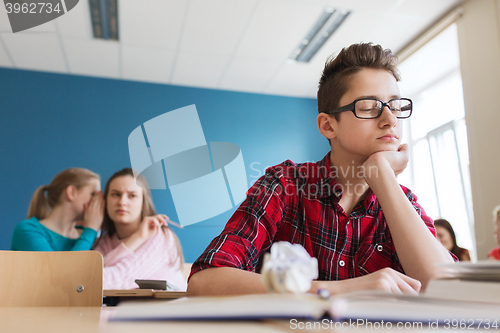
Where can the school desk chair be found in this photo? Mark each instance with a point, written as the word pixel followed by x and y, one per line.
pixel 71 278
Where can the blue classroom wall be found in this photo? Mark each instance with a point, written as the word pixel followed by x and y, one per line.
pixel 50 122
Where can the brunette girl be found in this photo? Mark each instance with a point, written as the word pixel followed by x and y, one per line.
pixel 136 243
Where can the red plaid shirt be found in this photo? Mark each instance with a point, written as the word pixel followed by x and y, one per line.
pixel 299 203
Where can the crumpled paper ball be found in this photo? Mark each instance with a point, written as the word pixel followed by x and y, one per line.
pixel 288 268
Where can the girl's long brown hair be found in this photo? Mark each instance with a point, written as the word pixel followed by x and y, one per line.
pixel 456 250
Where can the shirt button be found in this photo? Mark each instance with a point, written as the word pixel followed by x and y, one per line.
pixel 380 248
pixel 341 263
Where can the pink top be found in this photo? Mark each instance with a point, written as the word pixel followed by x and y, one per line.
pixel 156 259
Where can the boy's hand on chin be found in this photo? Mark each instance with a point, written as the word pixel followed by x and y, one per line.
pixel 397 160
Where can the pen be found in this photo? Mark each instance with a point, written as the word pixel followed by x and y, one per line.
pixel 175 224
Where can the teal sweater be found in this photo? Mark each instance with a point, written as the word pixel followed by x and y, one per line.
pixel 31 235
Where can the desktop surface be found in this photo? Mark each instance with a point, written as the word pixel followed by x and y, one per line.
pixel 95 319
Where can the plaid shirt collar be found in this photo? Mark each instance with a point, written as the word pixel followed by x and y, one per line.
pixel 326 186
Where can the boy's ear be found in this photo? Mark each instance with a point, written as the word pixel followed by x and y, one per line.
pixel 324 122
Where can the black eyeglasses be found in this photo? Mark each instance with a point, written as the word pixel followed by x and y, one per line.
pixel 370 108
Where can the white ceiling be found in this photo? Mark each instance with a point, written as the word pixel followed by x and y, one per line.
pixel 238 45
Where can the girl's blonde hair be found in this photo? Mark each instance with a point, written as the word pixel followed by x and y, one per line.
pixel 148 209
pixel 47 197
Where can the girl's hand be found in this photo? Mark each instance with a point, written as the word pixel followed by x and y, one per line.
pixel 151 225
pixel 94 212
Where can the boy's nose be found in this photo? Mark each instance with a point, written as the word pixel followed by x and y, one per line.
pixel 388 117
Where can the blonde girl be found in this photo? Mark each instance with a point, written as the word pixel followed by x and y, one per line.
pixel 64 215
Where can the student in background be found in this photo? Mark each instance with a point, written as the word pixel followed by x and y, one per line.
pixel 136 243
pixel 62 216
pixel 495 253
pixel 446 235
pixel 347 210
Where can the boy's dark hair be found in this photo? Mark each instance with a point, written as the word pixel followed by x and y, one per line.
pixel 334 81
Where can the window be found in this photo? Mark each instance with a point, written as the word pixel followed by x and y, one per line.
pixel 438 171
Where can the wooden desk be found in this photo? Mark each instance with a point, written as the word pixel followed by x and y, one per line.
pixel 114 296
pixel 148 293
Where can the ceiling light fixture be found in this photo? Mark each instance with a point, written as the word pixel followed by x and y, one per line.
pixel 104 16
pixel 325 26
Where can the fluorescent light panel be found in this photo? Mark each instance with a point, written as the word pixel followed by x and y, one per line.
pixel 329 21
pixel 104 17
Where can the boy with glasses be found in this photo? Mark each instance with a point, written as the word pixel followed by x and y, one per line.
pixel 347 210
